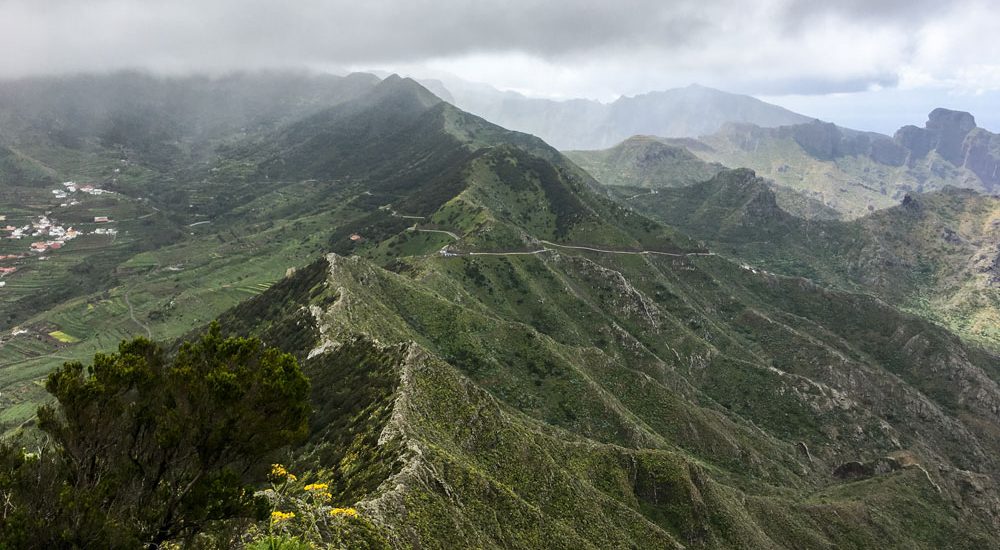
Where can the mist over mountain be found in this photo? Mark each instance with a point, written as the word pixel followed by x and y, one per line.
pixel 586 124
pixel 162 118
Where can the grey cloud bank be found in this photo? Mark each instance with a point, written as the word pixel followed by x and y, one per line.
pixel 595 49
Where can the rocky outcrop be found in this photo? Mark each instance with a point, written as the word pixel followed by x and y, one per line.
pixel 981 151
pixel 855 470
pixel 953 135
pixel 948 130
pixel 820 139
pixel 915 140
pixel 944 133
pixel 888 152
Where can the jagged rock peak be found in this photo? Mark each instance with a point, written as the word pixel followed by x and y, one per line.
pixel 948 120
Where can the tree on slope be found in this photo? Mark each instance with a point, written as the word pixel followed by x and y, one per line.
pixel 147 448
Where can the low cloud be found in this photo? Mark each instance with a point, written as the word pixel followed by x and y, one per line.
pixel 590 48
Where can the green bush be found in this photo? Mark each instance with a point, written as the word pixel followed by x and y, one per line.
pixel 146 449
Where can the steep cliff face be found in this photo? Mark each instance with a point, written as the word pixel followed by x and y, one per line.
pixel 854 173
pixel 948 129
pixel 955 137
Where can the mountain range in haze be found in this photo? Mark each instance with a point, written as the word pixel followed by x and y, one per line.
pixel 819 169
pixel 589 124
pixel 818 159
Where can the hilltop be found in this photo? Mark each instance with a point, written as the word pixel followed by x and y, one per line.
pixel 645 164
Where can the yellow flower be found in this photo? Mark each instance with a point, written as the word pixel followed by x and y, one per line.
pixel 280 473
pixel 349 512
pixel 316 487
pixel 324 496
pixel 278 517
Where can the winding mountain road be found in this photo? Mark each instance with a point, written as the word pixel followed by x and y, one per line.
pixel 449 233
pixel 634 252
pixel 544 242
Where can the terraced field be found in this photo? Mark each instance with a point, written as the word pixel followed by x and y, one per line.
pixel 170 290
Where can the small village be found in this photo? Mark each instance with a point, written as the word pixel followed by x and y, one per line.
pixel 47 234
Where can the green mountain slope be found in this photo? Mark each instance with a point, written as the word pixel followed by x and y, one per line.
pixel 935 254
pixel 16 169
pixel 567 386
pixel 504 357
pixel 545 398
pixel 642 161
pixel 170 270
pixel 147 143
pixel 647 162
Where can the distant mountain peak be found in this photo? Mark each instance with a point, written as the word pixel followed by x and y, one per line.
pixel 946 132
pixel 395 88
pixel 394 82
pixel 947 119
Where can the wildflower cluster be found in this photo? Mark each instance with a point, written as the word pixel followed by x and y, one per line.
pixel 319 491
pixel 347 512
pixel 303 511
pixel 278 516
pixel 279 473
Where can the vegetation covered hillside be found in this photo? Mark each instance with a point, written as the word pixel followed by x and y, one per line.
pixel 648 164
pixel 935 254
pixel 385 160
pixel 501 356
pixel 644 161
pixel 716 399
pixel 587 398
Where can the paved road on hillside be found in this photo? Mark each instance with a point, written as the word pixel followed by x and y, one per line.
pixel 446 252
pixel 449 233
pixel 544 249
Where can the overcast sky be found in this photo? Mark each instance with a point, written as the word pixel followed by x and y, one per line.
pixel 869 64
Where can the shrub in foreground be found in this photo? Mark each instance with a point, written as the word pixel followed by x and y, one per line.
pixel 145 448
